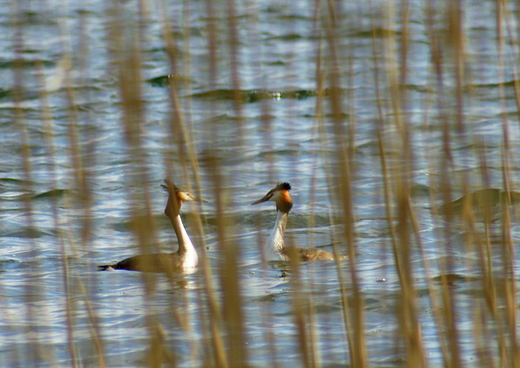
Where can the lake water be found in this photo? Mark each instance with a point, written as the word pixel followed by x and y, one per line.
pixel 60 63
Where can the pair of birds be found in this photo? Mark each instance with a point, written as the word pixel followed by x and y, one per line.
pixel 186 259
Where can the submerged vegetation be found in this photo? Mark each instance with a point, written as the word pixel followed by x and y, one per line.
pixel 406 131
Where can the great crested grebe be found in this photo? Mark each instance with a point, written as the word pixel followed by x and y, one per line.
pixel 275 249
pixel 185 259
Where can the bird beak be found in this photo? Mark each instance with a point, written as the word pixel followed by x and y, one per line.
pixel 197 199
pixel 265 199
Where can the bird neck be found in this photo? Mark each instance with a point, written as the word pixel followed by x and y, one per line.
pixel 186 249
pixel 274 246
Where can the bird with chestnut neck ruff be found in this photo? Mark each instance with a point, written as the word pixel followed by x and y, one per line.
pixel 275 248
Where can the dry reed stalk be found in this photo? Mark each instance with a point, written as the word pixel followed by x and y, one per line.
pixel 230 285
pixel 81 159
pixel 397 178
pixel 509 341
pixel 311 224
pixel 126 40
pixel 353 307
pixel 301 315
pixel 83 179
pixel 181 135
pixel 72 284
pixel 230 282
pixel 329 162
pixel 32 291
pixel 226 320
pixel 447 320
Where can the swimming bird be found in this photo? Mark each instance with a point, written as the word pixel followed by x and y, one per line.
pixel 185 259
pixel 275 248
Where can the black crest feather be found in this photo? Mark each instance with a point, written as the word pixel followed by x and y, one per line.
pixel 283 186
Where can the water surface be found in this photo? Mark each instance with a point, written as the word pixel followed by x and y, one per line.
pixel 277 134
